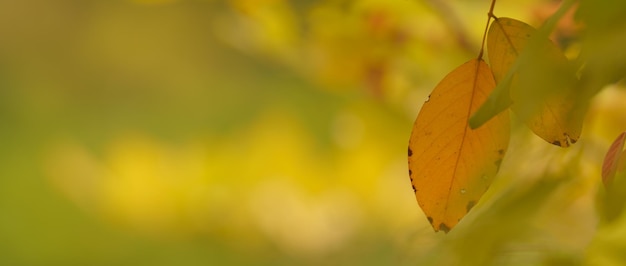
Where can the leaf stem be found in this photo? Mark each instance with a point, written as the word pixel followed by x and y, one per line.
pixel 489 16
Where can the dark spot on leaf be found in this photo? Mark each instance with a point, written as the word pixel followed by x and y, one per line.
pixel 470 205
pixel 501 152
pixel 410 173
pixel 410 152
pixel 498 162
pixel 430 219
pixel 573 140
pixel 557 143
pixel 444 227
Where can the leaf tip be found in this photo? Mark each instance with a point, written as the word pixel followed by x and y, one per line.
pixel 476 121
pixel 443 227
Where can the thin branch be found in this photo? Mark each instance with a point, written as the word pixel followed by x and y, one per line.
pixel 489 16
pixel 452 21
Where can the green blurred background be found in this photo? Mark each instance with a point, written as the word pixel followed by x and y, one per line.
pixel 263 132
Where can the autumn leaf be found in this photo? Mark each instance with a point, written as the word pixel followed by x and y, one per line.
pixel 500 99
pixel 450 164
pixel 541 86
pixel 613 159
pixel 612 199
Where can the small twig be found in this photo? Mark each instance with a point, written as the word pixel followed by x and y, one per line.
pixel 489 16
pixel 453 22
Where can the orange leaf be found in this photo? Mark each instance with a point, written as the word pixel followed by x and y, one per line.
pixel 542 87
pixel 451 165
pixel 612 159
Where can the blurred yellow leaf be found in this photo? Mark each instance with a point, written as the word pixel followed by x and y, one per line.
pixel 541 87
pixel 451 165
pixel 603 44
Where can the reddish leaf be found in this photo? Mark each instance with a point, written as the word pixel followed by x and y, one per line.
pixel 612 159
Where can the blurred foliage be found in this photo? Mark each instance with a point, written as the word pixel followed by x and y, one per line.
pixel 195 132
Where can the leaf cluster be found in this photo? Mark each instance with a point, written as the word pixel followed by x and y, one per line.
pixel 454 146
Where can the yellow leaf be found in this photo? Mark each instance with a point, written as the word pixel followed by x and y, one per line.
pixel 542 88
pixel 450 164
